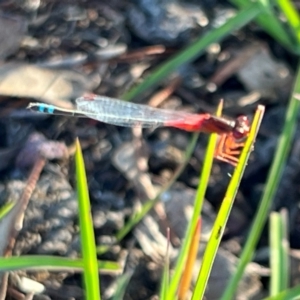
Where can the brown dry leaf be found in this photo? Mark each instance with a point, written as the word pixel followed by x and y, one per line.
pixel 52 86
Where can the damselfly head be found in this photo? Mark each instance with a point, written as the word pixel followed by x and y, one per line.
pixel 241 128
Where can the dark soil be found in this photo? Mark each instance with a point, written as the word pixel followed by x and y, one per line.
pixel 106 48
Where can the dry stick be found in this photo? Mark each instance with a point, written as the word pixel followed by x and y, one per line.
pixel 18 211
pixel 141 53
pixel 234 65
pixel 21 206
pixel 165 93
pixel 3 286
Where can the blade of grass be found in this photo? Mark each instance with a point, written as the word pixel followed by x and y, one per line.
pixel 88 245
pixel 165 284
pixel 290 294
pixel 6 208
pixel 222 217
pixel 122 283
pixel 278 261
pixel 186 279
pixel 199 199
pixel 274 176
pixel 193 51
pixel 269 22
pixel 166 277
pixel 292 17
pixel 275 253
pixel 285 249
pixel 29 262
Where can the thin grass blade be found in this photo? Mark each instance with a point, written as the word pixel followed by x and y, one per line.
pixel 186 279
pixel 282 150
pixel 278 253
pixel 290 294
pixel 122 283
pixel 222 217
pixel 166 276
pixel 285 250
pixel 269 22
pixel 34 262
pixel 292 18
pixel 6 208
pixel 199 199
pixel 88 245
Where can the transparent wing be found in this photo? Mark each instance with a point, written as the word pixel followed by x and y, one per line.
pixel 122 113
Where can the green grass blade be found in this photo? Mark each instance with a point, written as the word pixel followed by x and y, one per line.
pixel 199 199
pixel 196 49
pixel 292 17
pixel 275 254
pixel 274 176
pixel 164 283
pixel 166 277
pixel 88 246
pixel 6 208
pixel 285 250
pixel 122 283
pixel 279 258
pixel 222 217
pixel 35 262
pixel 269 22
pixel 187 273
pixel 290 294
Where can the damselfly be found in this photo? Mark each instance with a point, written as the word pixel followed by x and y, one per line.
pixel 121 113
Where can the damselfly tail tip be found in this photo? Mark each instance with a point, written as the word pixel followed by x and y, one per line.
pixel 34 106
pixel 30 105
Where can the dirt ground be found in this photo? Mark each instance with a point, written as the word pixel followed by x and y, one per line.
pixel 55 51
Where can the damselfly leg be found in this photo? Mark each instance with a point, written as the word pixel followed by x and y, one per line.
pixel 230 144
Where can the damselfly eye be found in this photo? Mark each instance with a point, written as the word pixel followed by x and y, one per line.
pixel 242 127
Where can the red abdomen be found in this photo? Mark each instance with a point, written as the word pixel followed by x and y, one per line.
pixel 191 122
